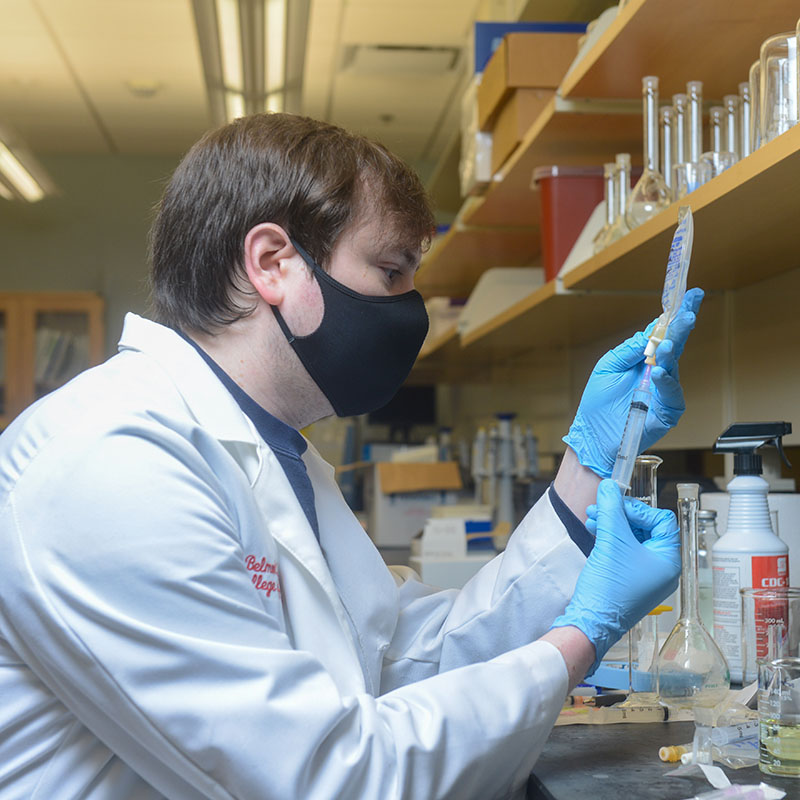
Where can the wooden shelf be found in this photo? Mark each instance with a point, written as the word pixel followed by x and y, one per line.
pixel 431 345
pixel 463 254
pixel 714 41
pixel 745 229
pixel 565 134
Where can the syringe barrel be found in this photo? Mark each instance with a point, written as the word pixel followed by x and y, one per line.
pixel 631 440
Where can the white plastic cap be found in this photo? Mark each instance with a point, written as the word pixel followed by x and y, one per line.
pixel 652 346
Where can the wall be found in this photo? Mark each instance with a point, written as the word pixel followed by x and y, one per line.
pixel 92 237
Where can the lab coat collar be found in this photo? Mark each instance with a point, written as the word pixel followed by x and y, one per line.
pixel 209 402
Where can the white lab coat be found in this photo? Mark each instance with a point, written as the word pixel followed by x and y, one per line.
pixel 171 627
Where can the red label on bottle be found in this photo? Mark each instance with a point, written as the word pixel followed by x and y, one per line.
pixel 770 572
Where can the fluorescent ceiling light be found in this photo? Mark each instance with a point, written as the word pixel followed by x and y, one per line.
pixel 230 44
pixel 252 53
pixel 18 176
pixel 276 44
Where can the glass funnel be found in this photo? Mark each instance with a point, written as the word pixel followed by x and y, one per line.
pixel 612 207
pixel 651 193
pixel 620 226
pixel 692 672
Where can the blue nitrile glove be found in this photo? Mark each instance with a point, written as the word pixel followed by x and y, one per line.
pixel 623 578
pixel 596 431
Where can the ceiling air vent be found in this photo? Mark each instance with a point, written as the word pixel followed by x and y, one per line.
pixel 372 59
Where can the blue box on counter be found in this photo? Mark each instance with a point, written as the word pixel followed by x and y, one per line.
pixel 488 35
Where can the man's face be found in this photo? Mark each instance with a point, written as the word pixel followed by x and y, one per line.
pixel 369 260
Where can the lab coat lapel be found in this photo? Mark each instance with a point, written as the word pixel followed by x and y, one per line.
pixel 319 627
pixel 365 585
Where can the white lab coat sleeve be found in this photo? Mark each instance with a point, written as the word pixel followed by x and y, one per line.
pixel 125 590
pixel 511 601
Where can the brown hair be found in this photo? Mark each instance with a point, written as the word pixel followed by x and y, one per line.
pixel 310 177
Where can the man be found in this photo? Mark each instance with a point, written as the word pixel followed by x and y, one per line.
pixel 188 608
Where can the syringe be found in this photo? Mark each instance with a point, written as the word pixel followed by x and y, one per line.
pixel 671 298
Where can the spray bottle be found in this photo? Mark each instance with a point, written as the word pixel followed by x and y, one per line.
pixel 749 554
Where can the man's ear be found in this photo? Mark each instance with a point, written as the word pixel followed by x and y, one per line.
pixel 267 248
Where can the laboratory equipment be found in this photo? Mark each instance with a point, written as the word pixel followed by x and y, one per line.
pixel 749 554
pixel 706 539
pixel 532 452
pixel 620 227
pixel 745 106
pixel 754 79
pixel 778 84
pixel 651 193
pixel 717 157
pixel 479 464
pixel 692 671
pixel 680 105
pixel 504 514
pixel 779 717
pixel 612 206
pixel 770 627
pixel 692 172
pixel 731 139
pixel 666 117
pixel 671 298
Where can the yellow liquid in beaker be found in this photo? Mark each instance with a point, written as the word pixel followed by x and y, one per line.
pixel 779 747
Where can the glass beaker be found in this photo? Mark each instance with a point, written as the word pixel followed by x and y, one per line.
pixel 754 80
pixel 651 194
pixel 692 672
pixel 779 717
pixel 770 626
pixel 778 84
pixel 600 241
pixel 620 226
pixel 689 176
pixel 644 483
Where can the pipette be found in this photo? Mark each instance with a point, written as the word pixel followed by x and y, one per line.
pixel 680 253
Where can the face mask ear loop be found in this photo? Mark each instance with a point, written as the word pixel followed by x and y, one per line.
pixel 282 324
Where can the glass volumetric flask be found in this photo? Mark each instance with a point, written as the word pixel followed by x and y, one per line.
pixel 651 193
pixel 717 157
pixel 778 85
pixel 731 139
pixel 612 207
pixel 666 115
pixel 680 105
pixel 691 172
pixel 620 227
pixel 745 110
pixel 692 672
pixel 754 80
pixel 694 94
pixel 706 537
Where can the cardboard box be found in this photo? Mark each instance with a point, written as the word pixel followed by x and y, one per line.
pixel 488 35
pixel 523 61
pixel 517 115
pixel 399 498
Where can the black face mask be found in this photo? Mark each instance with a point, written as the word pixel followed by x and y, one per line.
pixel 364 347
